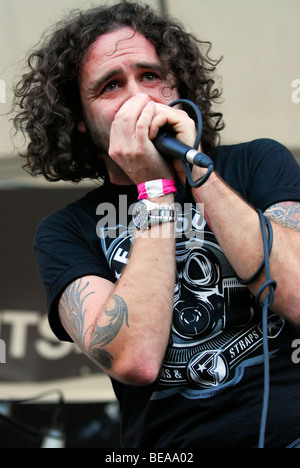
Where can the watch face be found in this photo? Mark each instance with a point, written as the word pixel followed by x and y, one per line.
pixel 146 214
pixel 140 216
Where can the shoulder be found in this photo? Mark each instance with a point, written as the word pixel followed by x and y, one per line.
pixel 260 155
pixel 263 171
pixel 255 148
pixel 267 148
pixel 71 214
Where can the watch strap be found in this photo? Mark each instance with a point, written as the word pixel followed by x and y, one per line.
pixel 147 214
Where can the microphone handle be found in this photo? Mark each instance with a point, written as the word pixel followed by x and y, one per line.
pixel 169 145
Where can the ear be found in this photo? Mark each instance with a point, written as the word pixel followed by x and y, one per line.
pixel 81 127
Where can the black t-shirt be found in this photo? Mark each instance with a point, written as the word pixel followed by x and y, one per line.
pixel 209 392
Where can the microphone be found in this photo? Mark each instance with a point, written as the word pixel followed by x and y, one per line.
pixel 167 144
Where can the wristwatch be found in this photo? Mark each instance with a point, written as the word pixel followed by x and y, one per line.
pixel 146 214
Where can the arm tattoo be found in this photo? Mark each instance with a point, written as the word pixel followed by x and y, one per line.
pixel 104 335
pixel 73 313
pixel 286 214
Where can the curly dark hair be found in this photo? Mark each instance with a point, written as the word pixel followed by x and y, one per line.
pixel 47 97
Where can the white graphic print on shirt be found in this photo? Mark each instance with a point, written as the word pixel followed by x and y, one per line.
pixel 217 330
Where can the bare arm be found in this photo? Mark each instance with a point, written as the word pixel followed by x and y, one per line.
pixel 125 328
pixel 237 228
pixel 286 214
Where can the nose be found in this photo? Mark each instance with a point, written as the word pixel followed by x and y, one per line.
pixel 133 88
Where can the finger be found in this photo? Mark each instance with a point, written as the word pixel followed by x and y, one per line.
pixel 129 113
pixel 177 119
pixel 144 122
pixel 123 128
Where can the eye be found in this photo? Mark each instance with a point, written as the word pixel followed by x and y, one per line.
pixel 111 86
pixel 151 76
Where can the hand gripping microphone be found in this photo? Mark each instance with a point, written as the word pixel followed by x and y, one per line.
pixel 168 145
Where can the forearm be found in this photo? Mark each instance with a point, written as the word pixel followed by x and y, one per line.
pixel 147 289
pixel 234 223
pixel 237 228
pixel 130 329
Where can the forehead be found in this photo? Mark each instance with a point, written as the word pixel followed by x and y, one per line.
pixel 116 45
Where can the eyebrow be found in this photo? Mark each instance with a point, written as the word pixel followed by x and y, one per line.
pixel 102 80
pixel 117 71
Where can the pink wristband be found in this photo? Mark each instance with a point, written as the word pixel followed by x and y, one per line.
pixel 156 188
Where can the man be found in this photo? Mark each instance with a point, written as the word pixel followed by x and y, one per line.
pixel 163 314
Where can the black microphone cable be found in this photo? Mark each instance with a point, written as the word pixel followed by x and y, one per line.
pixel 164 144
pixel 269 284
